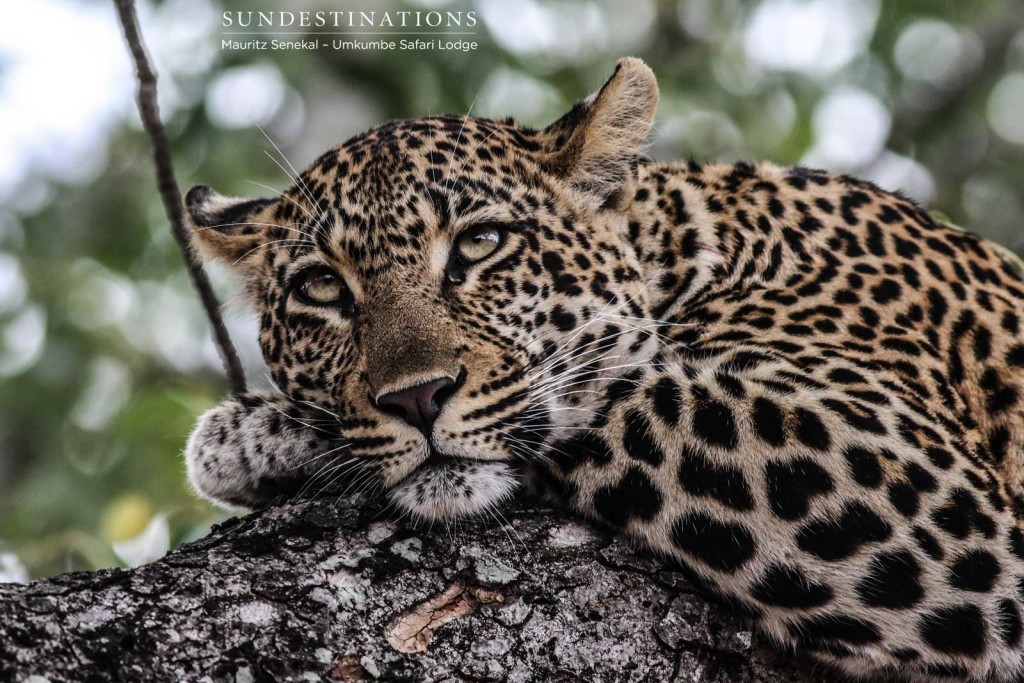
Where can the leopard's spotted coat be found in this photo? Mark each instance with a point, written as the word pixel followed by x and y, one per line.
pixel 797 384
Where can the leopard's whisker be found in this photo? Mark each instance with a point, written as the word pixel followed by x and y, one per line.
pixel 576 332
pixel 317 406
pixel 579 366
pixel 529 454
pixel 468 158
pixel 256 225
pixel 505 526
pixel 544 407
pixel 265 245
pixel 325 470
pixel 430 127
pixel 332 471
pixel 294 418
pixel 647 327
pixel 295 176
pixel 296 180
pixel 458 140
pixel 318 457
pixel 597 346
pixel 300 207
pixel 596 317
pixel 360 477
pixel 562 383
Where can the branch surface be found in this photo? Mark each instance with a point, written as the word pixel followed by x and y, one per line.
pixel 333 591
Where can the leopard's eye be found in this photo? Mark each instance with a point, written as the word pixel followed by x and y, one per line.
pixel 478 243
pixel 323 287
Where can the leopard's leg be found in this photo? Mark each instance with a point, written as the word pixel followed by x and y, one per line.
pixel 255 447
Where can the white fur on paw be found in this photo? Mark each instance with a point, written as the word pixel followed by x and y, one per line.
pixel 216 460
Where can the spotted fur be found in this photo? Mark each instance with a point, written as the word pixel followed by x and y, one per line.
pixel 799 385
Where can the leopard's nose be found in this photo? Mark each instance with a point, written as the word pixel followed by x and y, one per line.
pixel 419 405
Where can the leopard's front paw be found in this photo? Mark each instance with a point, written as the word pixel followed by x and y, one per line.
pixel 251 449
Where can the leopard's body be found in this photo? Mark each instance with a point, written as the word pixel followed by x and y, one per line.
pixel 798 385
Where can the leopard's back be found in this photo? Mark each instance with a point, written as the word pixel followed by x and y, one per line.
pixel 834 438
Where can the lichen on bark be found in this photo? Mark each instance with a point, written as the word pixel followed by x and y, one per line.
pixel 328 590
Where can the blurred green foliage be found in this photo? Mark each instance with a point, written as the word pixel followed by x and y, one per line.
pixel 104 356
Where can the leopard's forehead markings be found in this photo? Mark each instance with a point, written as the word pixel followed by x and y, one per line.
pixel 373 200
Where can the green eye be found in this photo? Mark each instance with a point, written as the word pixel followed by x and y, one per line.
pixel 478 243
pixel 322 287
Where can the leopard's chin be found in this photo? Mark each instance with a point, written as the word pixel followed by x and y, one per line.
pixel 452 488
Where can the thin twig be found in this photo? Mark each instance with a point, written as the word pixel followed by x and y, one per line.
pixel 171 194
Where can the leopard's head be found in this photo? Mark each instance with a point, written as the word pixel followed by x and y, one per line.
pixel 454 290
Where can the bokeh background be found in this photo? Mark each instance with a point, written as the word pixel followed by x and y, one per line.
pixel 105 356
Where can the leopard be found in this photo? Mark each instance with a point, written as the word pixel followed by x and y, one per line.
pixel 802 388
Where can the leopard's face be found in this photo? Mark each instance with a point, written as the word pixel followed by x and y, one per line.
pixel 450 290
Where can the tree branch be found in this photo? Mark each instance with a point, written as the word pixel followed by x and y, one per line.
pixel 331 589
pixel 170 194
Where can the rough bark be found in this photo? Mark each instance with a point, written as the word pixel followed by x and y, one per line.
pixel 328 590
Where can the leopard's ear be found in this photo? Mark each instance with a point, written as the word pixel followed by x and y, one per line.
pixel 595 145
pixel 227 228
